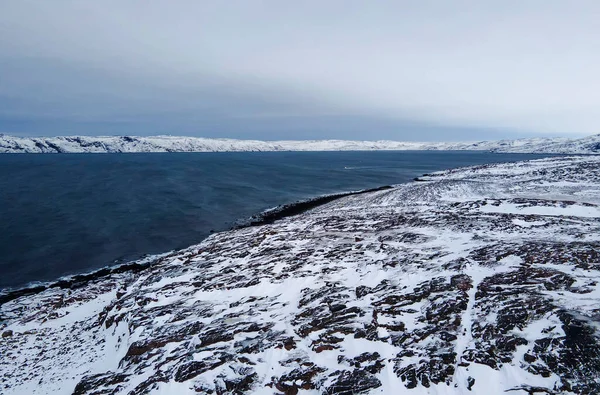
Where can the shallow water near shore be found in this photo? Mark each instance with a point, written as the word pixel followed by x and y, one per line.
pixel 63 214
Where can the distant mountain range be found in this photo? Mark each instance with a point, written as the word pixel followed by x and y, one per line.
pixel 104 144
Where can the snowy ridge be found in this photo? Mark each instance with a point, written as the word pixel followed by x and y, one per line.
pixel 480 280
pixel 87 144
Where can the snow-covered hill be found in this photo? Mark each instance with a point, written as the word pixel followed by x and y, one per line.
pixel 483 280
pixel 75 144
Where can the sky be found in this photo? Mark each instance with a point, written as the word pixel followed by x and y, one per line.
pixel 401 70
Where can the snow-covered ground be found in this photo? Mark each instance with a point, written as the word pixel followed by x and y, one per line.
pixel 473 281
pixel 75 144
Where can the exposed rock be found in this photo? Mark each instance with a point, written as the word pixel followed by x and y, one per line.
pixel 355 382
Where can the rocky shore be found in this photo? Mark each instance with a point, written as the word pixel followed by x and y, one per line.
pixel 481 280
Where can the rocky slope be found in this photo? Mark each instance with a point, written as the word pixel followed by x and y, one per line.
pixel 79 144
pixel 482 280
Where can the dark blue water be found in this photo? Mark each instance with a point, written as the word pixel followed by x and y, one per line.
pixel 66 214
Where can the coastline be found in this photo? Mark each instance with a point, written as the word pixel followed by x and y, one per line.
pixel 478 279
pixel 265 217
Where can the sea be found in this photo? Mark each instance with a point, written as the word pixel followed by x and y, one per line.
pixel 63 214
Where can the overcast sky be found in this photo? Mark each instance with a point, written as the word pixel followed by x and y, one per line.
pixel 402 70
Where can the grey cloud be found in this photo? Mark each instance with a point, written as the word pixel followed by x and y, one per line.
pixel 250 67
